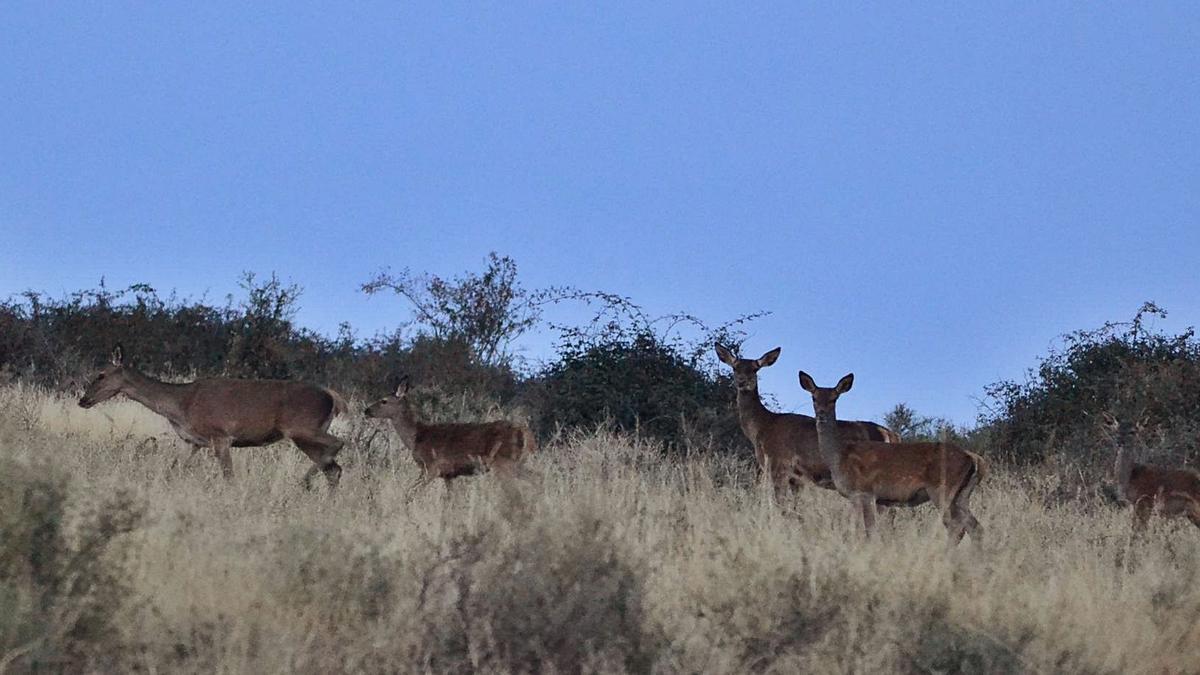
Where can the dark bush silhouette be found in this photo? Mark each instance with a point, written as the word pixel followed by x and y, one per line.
pixel 637 382
pixel 1128 368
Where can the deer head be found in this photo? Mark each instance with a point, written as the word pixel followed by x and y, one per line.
pixel 390 406
pixel 109 382
pixel 825 398
pixel 745 371
pixel 1123 430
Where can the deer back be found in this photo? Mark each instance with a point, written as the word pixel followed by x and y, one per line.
pixel 899 472
pixel 1163 484
pixel 792 440
pixel 446 447
pixel 252 410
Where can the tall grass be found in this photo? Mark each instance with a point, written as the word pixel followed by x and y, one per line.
pixel 617 560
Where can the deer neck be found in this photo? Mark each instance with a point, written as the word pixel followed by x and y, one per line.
pixel 407 425
pixel 1124 468
pixel 829 444
pixel 752 414
pixel 168 400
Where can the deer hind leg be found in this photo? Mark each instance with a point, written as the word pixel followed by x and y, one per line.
pixel 321 448
pixel 1193 512
pixel 958 517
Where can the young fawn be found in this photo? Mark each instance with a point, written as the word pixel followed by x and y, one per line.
pixel 448 451
pixel 1170 492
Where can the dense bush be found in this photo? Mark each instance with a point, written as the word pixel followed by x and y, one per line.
pixel 638 382
pixel 60 342
pixel 1128 368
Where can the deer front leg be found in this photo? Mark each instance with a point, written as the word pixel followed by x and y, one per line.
pixel 220 448
pixel 1141 514
pixel 866 505
pixel 191 456
pixel 424 479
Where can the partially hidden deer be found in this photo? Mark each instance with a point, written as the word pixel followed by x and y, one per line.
pixel 1150 489
pixel 785 444
pixel 448 451
pixel 870 473
pixel 223 413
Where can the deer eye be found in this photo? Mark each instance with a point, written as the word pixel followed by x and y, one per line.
pixel 100 376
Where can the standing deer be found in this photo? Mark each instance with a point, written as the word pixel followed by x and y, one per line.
pixel 448 451
pixel 221 413
pixel 870 473
pixel 785 444
pixel 1170 492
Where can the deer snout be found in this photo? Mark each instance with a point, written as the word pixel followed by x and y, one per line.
pixel 86 402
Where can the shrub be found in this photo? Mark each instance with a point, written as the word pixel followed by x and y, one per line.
pixel 62 593
pixel 567 599
pixel 1128 368
pixel 637 383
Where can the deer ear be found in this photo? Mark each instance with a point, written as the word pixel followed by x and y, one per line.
pixel 117 355
pixel 844 384
pixel 402 388
pixel 725 355
pixel 1109 419
pixel 769 358
pixel 806 382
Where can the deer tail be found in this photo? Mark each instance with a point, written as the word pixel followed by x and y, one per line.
pixel 340 407
pixel 978 469
pixel 982 467
pixel 529 444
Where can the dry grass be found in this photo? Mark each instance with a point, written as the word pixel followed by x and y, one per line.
pixel 617 561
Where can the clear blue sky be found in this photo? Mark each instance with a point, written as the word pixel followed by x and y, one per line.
pixel 924 195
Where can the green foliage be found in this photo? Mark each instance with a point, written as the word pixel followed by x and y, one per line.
pixel 911 426
pixel 486 312
pixel 639 373
pixel 1128 368
pixel 260 344
pixel 636 382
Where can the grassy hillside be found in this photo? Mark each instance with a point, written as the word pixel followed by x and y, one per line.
pixel 121 554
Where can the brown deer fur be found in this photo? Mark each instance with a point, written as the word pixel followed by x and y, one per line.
pixel 785 444
pixel 1151 489
pixel 221 413
pixel 448 451
pixel 870 473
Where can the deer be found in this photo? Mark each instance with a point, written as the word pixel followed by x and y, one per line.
pixel 449 451
pixel 220 413
pixel 1149 489
pixel 871 473
pixel 785 444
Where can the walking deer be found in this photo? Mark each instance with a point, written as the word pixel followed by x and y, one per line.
pixel 220 413
pixel 448 451
pixel 785 444
pixel 870 473
pixel 1148 489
